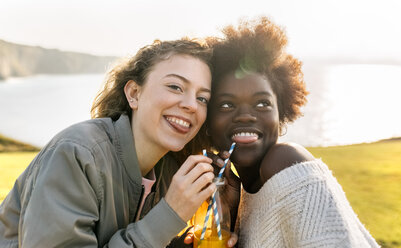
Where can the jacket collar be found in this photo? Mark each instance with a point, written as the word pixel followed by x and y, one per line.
pixel 126 148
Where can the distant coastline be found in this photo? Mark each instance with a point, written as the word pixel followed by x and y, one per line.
pixel 11 145
pixel 21 60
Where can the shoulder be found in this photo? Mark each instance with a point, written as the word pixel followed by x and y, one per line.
pixel 75 153
pixel 288 153
pixel 79 141
pixel 281 156
pixel 86 133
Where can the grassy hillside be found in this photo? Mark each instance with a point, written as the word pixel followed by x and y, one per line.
pixel 10 145
pixel 20 60
pixel 370 174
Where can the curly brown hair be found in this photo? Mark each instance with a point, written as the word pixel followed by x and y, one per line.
pixel 111 101
pixel 258 46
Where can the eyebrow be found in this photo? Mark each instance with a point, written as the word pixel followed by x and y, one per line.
pixel 260 93
pixel 185 80
pixel 263 93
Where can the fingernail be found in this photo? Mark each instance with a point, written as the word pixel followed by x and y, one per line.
pixel 220 161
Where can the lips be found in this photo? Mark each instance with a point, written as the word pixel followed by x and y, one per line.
pixel 179 124
pixel 245 136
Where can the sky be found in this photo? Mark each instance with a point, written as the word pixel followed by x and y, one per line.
pixel 365 31
pixel 315 28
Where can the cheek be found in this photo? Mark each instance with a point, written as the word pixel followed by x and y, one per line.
pixel 271 123
pixel 150 101
pixel 216 122
pixel 201 116
pixel 218 126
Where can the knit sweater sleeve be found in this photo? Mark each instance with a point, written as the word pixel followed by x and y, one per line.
pixel 301 206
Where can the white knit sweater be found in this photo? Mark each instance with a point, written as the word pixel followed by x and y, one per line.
pixel 301 206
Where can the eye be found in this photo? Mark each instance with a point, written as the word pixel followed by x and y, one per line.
pixel 175 87
pixel 203 100
pixel 263 104
pixel 226 106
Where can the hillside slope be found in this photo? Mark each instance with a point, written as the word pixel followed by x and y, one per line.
pixel 10 145
pixel 21 60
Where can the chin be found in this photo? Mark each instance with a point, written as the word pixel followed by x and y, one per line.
pixel 243 162
pixel 176 147
pixel 246 158
pixel 174 144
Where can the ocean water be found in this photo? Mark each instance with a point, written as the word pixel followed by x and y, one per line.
pixel 34 109
pixel 350 103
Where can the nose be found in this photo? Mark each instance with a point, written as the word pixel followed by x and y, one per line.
pixel 189 103
pixel 244 114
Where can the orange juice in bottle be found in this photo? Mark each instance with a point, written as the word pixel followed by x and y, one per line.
pixel 211 236
pixel 211 239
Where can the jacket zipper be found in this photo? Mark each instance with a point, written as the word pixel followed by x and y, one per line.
pixel 139 204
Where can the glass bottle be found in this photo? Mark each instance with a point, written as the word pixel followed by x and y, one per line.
pixel 211 234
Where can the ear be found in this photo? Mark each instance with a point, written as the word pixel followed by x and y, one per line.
pixel 132 92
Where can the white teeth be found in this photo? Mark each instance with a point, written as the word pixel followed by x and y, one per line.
pixel 245 134
pixel 178 121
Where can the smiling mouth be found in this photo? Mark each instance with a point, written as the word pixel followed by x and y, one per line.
pixel 245 137
pixel 178 124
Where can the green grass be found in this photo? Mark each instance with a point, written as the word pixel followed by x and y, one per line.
pixel 12 164
pixel 370 174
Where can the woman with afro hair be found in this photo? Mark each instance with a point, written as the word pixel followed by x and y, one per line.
pixel 289 198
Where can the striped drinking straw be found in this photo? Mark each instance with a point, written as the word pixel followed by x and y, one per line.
pixel 216 217
pixel 209 208
pixel 226 161
pixel 212 201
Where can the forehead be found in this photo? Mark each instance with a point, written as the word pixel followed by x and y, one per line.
pixel 249 84
pixel 180 62
pixel 188 67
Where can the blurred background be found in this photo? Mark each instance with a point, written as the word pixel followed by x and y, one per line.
pixel 54 54
pixel 350 49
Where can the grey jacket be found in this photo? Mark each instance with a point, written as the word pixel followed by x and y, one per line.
pixel 83 190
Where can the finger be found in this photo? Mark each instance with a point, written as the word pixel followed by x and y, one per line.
pixel 189 239
pixel 216 159
pixel 199 170
pixel 233 240
pixel 224 154
pixel 190 229
pixel 206 193
pixel 190 163
pixel 202 182
pixel 232 179
pixel 228 171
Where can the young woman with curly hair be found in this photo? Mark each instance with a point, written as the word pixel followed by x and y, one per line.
pixel 289 198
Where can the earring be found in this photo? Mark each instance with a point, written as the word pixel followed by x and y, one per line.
pixel 131 100
pixel 281 131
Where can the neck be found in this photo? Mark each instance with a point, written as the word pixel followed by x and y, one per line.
pixel 250 177
pixel 148 154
